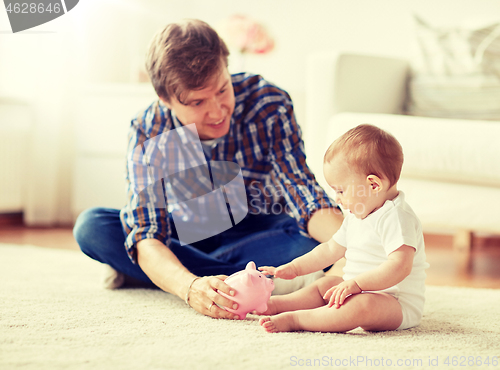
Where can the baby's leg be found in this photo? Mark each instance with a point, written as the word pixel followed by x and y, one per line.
pixel 370 311
pixel 306 298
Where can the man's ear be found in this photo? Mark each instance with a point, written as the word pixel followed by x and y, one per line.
pixel 375 183
pixel 166 103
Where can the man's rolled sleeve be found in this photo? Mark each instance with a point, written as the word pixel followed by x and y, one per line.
pixel 144 223
pixel 145 214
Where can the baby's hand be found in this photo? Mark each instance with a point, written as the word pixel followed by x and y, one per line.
pixel 267 270
pixel 340 292
pixel 286 271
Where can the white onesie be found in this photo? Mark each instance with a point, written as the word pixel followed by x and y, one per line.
pixel 369 241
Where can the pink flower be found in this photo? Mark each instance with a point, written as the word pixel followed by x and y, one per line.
pixel 246 35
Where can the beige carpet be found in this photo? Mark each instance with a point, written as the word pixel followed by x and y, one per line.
pixel 54 315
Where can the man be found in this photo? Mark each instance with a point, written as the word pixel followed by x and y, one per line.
pixel 241 119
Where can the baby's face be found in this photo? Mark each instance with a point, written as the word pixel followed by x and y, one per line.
pixel 353 190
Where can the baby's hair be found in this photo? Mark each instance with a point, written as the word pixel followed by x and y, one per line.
pixel 369 150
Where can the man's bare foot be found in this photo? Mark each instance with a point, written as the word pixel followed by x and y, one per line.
pixel 282 322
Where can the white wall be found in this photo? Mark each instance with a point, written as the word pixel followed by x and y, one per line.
pixel 373 26
pixel 104 41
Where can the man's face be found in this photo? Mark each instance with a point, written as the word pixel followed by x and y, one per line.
pixel 210 108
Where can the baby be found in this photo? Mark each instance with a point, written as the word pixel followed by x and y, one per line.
pixel 381 239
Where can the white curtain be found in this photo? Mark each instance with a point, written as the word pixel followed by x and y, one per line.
pixel 40 69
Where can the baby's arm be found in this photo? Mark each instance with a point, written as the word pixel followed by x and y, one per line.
pixel 320 257
pixel 397 267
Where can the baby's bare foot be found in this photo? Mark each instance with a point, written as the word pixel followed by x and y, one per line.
pixel 268 325
pixel 271 309
pixel 282 322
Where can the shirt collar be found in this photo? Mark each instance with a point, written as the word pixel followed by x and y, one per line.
pixel 388 205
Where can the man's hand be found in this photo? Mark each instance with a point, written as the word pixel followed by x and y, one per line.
pixel 340 292
pixel 155 258
pixel 203 293
pixel 287 271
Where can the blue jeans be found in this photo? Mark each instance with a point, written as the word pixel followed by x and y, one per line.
pixel 270 240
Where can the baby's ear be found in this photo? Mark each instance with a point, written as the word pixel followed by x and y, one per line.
pixel 375 183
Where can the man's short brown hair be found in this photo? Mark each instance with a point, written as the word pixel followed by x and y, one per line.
pixel 184 56
pixel 369 150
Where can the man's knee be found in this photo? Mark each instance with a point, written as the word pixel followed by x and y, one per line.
pixel 86 228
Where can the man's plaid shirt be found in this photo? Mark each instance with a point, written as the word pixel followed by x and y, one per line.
pixel 263 139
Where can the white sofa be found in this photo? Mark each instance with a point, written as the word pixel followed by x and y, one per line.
pixel 451 174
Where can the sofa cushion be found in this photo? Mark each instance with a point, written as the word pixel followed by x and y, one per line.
pixel 458 75
pixel 461 151
pixel 464 97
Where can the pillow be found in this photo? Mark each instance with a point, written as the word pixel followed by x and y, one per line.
pixel 458 75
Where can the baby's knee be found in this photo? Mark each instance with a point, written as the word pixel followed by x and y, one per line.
pixel 364 306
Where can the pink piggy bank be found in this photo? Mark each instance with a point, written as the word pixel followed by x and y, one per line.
pixel 252 290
